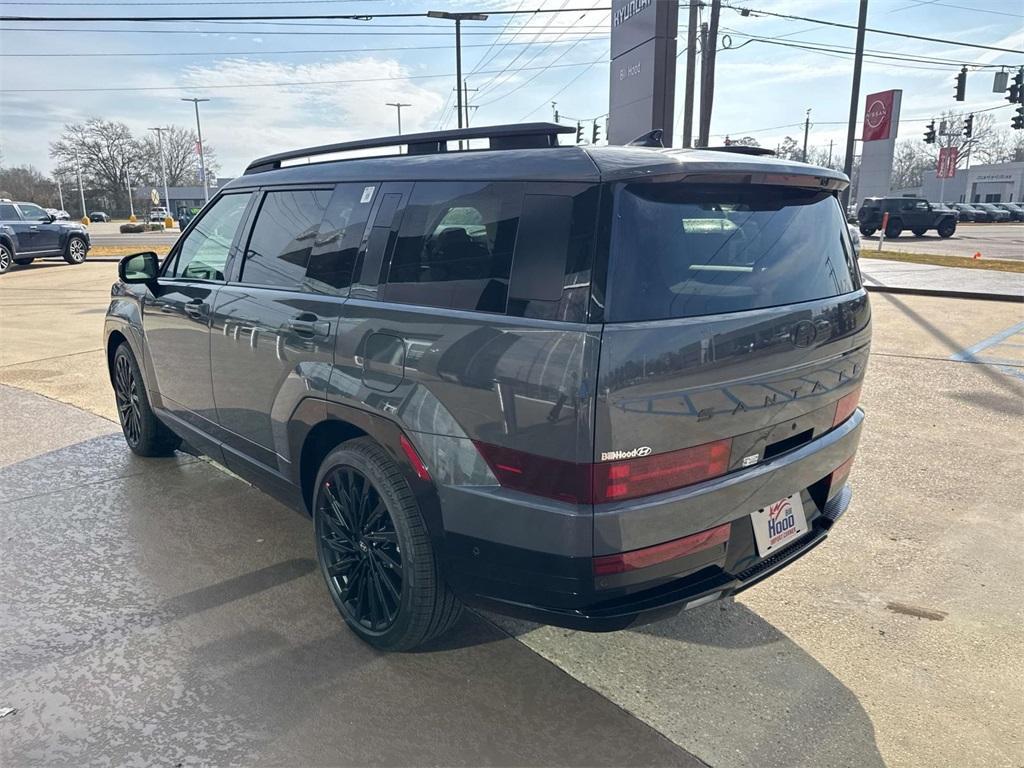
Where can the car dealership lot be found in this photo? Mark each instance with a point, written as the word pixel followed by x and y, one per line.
pixel 993 241
pixel 166 611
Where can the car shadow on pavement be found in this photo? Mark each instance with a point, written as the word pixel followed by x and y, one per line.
pixel 723 683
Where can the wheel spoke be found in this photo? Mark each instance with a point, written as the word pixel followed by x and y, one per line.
pixel 382 537
pixel 376 514
pixel 387 561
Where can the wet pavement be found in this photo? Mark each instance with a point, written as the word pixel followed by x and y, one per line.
pixel 162 612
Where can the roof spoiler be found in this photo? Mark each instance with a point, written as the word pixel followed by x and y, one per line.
pixel 511 136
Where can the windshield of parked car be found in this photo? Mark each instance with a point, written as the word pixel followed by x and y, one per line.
pixel 683 250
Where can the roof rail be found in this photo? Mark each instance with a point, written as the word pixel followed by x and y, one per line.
pixel 512 136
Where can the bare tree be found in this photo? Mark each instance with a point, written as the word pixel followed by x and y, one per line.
pixel 25 182
pixel 1006 146
pixel 910 161
pixel 180 155
pixel 109 155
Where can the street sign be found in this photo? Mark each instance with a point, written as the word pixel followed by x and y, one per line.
pixel 946 167
pixel 154 196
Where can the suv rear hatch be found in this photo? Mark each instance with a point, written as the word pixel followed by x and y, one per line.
pixel 736 335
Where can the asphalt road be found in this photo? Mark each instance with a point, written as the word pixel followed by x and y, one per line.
pixel 992 241
pixel 164 611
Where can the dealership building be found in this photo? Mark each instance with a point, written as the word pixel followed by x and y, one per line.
pixel 996 183
pixel 180 197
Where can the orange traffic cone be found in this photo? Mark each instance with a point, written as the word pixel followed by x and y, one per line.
pixel 977 255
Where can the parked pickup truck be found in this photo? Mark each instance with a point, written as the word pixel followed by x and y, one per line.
pixel 28 232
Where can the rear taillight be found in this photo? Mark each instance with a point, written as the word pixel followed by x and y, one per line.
pixel 619 480
pixel 528 472
pixel 608 481
pixel 607 565
pixel 846 406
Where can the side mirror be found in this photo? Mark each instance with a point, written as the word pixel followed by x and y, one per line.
pixel 50 218
pixel 138 268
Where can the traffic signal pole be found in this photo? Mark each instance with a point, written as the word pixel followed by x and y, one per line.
pixel 851 128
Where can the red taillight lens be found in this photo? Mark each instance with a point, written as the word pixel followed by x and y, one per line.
pixel 840 475
pixel 414 459
pixel 846 406
pixel 619 480
pixel 607 565
pixel 540 475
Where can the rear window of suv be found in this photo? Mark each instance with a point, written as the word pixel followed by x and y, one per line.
pixel 684 250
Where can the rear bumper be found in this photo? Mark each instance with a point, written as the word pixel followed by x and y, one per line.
pixel 706 585
pixel 503 568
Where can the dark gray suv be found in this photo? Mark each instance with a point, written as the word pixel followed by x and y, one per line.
pixel 583 385
pixel 29 232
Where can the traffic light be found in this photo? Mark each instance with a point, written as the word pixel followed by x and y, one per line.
pixel 1015 94
pixel 961 84
pixel 579 132
pixel 969 126
pixel 929 134
pixel 596 133
pixel 1018 121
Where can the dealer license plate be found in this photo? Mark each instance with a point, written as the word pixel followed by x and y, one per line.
pixel 778 524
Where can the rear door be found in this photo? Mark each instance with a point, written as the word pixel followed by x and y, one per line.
pixel 37 234
pixel 735 320
pixel 274 322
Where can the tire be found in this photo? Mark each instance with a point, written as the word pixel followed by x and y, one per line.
pixel 867 231
pixel 919 232
pixel 379 564
pixel 946 229
pixel 145 434
pixel 895 229
pixel 6 259
pixel 76 250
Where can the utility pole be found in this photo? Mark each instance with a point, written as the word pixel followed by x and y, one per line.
pixel 851 128
pixel 554 110
pixel 709 48
pixel 458 18
pixel 128 186
pixel 807 130
pixel 398 105
pixel 202 159
pixel 830 143
pixel 691 74
pixel 78 172
pixel 465 100
pixel 163 167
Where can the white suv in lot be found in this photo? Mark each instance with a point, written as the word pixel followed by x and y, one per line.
pixel 158 214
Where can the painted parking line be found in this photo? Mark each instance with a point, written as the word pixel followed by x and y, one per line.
pixel 987 351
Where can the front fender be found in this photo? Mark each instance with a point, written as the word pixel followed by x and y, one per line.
pixel 124 320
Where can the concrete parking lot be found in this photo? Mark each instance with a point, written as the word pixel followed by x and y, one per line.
pixel 162 611
pixel 992 241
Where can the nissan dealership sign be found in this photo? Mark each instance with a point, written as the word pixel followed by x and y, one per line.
pixel 878 111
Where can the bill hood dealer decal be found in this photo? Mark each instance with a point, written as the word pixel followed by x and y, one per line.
pixel 643 450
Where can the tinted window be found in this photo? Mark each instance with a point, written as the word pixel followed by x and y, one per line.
pixel 687 250
pixel 33 212
pixel 334 255
pixel 283 237
pixel 455 245
pixel 8 212
pixel 204 252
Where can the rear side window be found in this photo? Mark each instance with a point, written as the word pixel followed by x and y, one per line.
pixel 8 212
pixel 334 253
pixel 455 246
pixel 282 239
pixel 683 250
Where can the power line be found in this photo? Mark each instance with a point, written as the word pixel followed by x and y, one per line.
pixel 321 16
pixel 557 93
pixel 265 52
pixel 194 87
pixel 259 32
pixel 37 3
pixel 824 22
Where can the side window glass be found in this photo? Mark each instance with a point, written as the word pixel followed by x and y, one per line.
pixel 455 245
pixel 204 252
pixel 283 237
pixel 333 260
pixel 8 212
pixel 34 213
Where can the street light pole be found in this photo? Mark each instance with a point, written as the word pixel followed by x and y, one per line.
pixel 78 172
pixel 202 161
pixel 163 166
pixel 398 105
pixel 60 192
pixel 458 18
pixel 851 128
pixel 128 186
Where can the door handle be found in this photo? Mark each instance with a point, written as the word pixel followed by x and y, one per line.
pixel 308 324
pixel 196 308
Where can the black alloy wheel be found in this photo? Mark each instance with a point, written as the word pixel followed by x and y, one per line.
pixel 359 549
pixel 127 396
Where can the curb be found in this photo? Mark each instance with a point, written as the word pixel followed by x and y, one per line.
pixel 1014 297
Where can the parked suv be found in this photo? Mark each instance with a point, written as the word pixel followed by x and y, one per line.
pixel 1016 212
pixel 29 232
pixel 583 385
pixel 995 214
pixel 913 213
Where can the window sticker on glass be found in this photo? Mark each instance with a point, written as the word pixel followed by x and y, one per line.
pixel 367 194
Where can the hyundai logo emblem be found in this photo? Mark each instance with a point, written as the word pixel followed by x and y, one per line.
pixel 803 334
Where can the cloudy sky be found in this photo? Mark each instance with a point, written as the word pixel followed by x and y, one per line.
pixel 283 84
